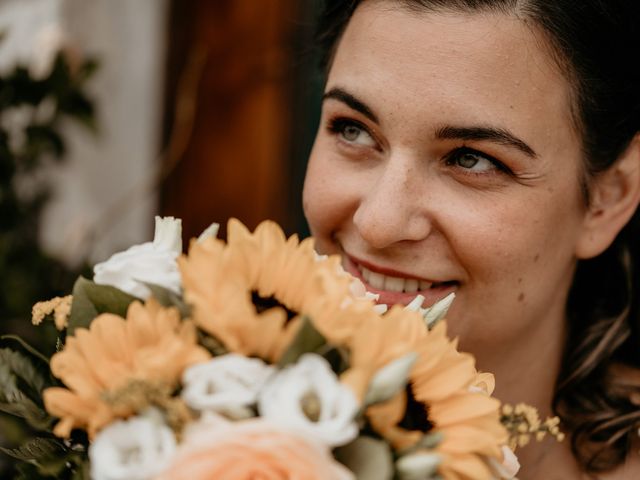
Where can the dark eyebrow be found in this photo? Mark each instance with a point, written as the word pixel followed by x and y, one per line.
pixel 345 97
pixel 498 135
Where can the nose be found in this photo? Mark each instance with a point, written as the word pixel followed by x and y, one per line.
pixel 393 210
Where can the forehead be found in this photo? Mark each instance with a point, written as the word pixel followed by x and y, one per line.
pixel 476 68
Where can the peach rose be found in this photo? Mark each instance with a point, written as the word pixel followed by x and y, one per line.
pixel 218 449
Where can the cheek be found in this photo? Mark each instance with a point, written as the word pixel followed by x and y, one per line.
pixel 522 248
pixel 519 258
pixel 329 198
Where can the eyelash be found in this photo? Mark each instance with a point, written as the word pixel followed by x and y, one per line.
pixel 452 156
pixel 337 126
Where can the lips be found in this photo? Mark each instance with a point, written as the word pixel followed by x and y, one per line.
pixel 395 287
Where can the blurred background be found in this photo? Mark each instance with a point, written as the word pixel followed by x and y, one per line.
pixel 113 111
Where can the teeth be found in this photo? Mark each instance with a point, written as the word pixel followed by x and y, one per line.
pixel 393 284
pixel 376 280
pixel 411 285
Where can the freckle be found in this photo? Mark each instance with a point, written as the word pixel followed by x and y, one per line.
pixel 536 258
pixel 521 297
pixel 520 280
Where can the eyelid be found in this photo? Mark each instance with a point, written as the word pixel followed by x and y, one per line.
pixel 336 124
pixel 499 166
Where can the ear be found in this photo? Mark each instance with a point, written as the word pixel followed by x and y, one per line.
pixel 615 194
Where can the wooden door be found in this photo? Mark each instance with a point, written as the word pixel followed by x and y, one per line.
pixel 236 70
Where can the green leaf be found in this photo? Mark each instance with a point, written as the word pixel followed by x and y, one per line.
pixel 108 299
pixel 42 139
pixel 86 70
pixel 26 471
pixel 36 450
pixel 16 343
pixel 91 299
pixel 82 309
pixel 81 472
pixel 34 377
pixel 49 455
pixel 215 346
pixel 337 357
pixel 167 298
pixel 307 339
pixel 76 105
pixel 20 387
pixel 368 458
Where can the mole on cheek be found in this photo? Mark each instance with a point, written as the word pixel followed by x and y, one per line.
pixel 521 297
pixel 536 258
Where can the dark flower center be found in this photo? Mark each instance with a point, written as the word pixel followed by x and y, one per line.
pixel 416 416
pixel 265 303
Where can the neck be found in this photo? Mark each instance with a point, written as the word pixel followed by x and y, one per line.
pixel 527 372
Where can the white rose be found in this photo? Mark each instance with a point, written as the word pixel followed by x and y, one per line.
pixel 227 384
pixel 134 449
pixel 152 262
pixel 309 398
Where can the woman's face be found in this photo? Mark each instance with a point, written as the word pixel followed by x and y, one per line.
pixel 447 160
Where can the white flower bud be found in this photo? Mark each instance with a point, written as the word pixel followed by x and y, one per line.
pixel 390 379
pixel 210 232
pixel 509 467
pixel 438 311
pixel 416 304
pixel 417 466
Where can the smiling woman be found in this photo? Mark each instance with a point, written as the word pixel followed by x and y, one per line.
pixel 489 148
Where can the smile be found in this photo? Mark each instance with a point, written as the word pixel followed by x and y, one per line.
pixel 393 284
pixel 397 288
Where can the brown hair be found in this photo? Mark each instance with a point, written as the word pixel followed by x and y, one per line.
pixel 598 390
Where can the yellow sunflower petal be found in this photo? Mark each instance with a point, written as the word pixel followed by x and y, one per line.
pixel 111 353
pixel 268 264
pixel 463 407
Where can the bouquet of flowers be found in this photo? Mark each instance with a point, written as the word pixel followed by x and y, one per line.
pixel 251 358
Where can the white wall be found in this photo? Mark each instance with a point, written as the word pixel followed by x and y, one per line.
pixel 128 38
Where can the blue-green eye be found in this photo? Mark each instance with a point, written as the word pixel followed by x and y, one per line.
pixel 474 161
pixel 352 132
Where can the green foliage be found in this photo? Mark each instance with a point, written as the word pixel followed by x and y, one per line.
pixel 91 299
pixel 307 340
pixel 215 346
pixel 21 384
pixel 368 458
pixel 32 111
pixel 167 298
pixel 48 458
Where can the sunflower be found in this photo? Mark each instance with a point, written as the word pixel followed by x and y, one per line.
pixel 445 395
pixel 252 292
pixel 148 350
pixel 378 341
